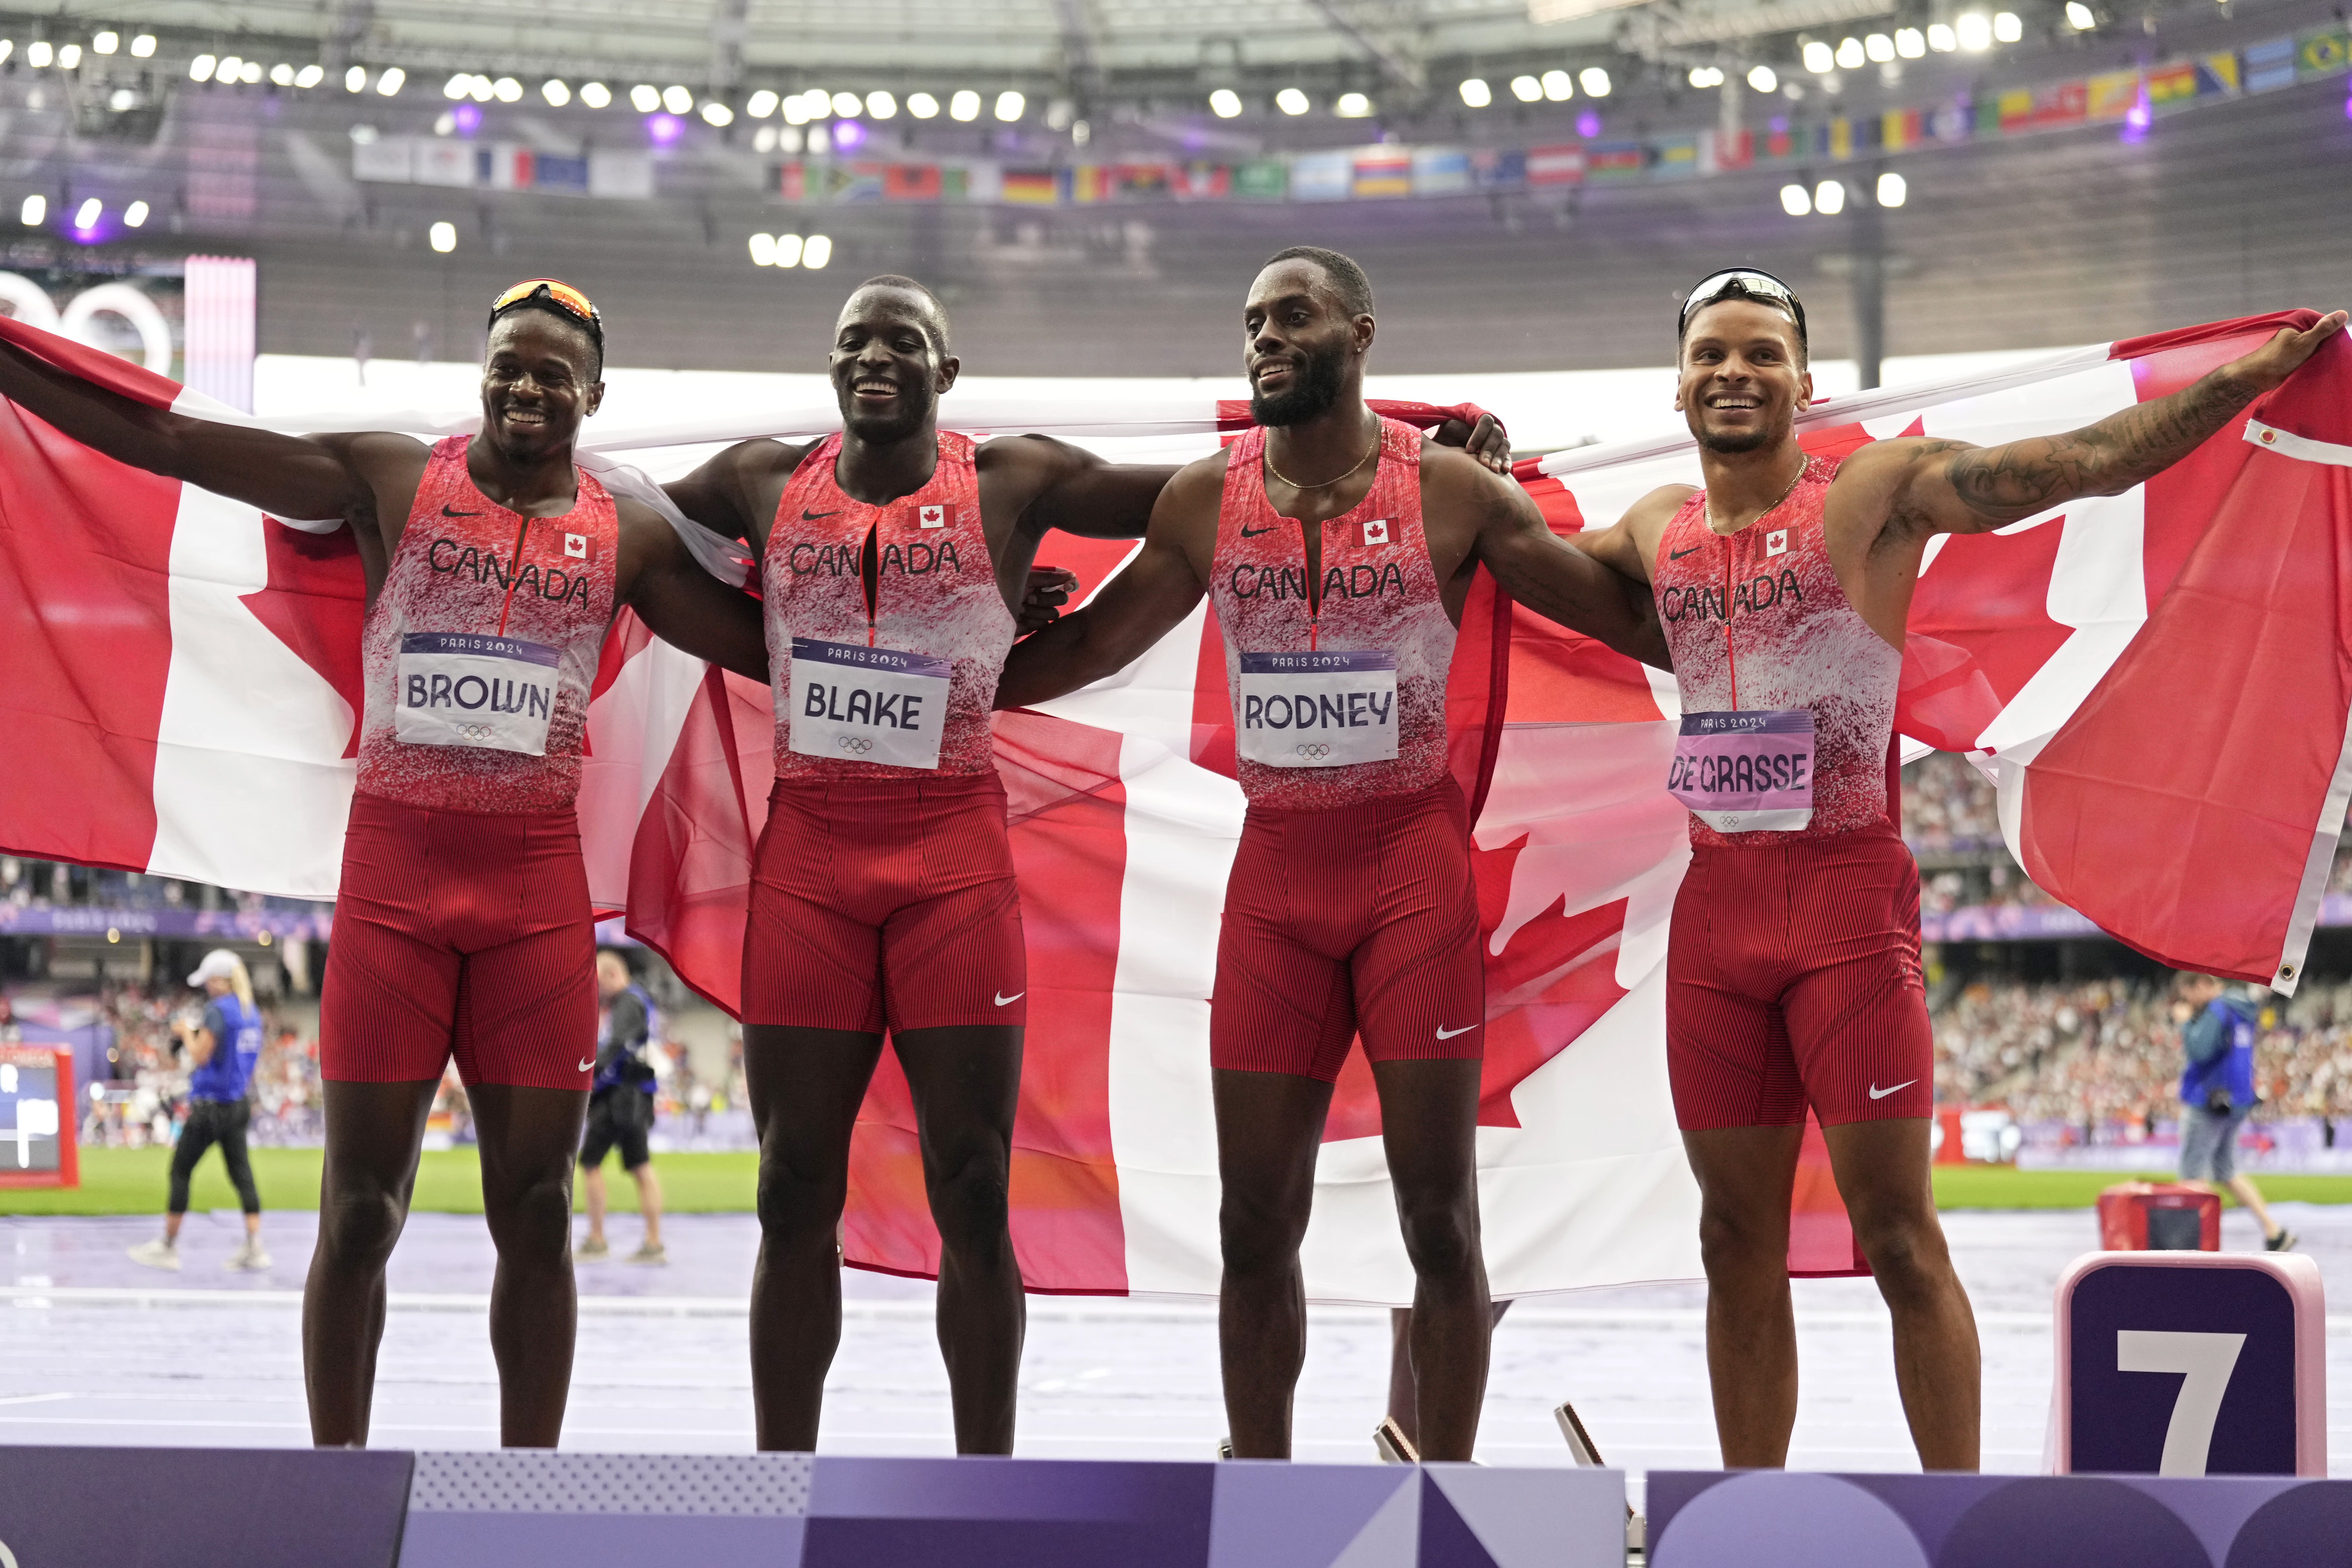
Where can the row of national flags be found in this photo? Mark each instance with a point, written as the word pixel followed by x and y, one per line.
pixel 2130 99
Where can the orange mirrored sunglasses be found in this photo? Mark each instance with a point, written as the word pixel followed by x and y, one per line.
pixel 563 296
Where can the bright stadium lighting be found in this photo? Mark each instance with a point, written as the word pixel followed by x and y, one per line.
pixel 2007 27
pixel 764 250
pixel 1594 81
pixel 229 70
pixel 1291 101
pixel 7 48
pixel 1706 77
pixel 1527 89
pixel 1910 43
pixel 389 84
pixel 481 88
pixel 89 213
pixel 1009 105
pixel 1764 78
pixel 1820 59
pixel 68 57
pixel 795 110
pixel 134 215
pixel 881 105
pixel 199 69
pixel 1225 103
pixel 1829 198
pixel 35 211
pixel 105 43
pixel 1352 106
pixel 355 79
pixel 676 99
pixel 1975 30
pixel 1879 48
pixel 1476 93
pixel 922 106
pixel 645 98
pixel 716 113
pixel 281 74
pixel 816 251
pixel 37 54
pixel 1559 86
pixel 2079 17
pixel 595 95
pixel 1941 38
pixel 311 76
pixel 121 100
pixel 443 237
pixel 845 104
pixel 761 104
pixel 143 48
pixel 788 250
pixel 1796 201
pixel 507 89
pixel 1851 56
pixel 1892 189
pixel 458 86
pixel 964 105
pixel 556 93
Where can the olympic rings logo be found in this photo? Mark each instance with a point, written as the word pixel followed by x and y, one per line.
pixel 1314 752
pixel 856 745
pixel 475 733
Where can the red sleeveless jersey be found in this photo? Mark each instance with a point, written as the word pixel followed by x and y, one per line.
pixel 1758 620
pixel 483 643
pixel 1377 595
pixel 935 597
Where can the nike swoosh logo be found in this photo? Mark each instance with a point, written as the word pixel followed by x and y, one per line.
pixel 1002 1000
pixel 588 1065
pixel 1249 533
pixel 1878 1093
pixel 1445 1033
pixel 447 511
pixel 808 516
pixel 1678 554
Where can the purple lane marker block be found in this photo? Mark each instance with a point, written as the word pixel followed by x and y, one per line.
pixel 157 1508
pixel 2307 1524
pixel 2069 1521
pixel 1536 1518
pixel 976 1513
pixel 2215 1508
pixel 1769 1518
pixel 526 1509
pixel 1446 1542
pixel 1273 1515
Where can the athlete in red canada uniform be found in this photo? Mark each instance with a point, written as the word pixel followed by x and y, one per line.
pixel 494 566
pixel 1340 548
pixel 1792 968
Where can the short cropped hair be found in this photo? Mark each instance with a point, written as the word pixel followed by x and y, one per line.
pixel 1348 280
pixel 940 333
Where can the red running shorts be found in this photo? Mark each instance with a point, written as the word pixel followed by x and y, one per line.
pixel 1361 918
pixel 1792 976
pixel 464 934
pixel 883 903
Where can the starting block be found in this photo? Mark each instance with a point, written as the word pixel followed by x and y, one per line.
pixel 2190 1363
pixel 2159 1217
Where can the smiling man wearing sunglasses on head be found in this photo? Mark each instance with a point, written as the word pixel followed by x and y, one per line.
pixel 1792 967
pixel 494 566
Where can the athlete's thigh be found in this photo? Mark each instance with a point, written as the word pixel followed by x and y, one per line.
pixel 957 960
pixel 966 1084
pixel 1429 1127
pixel 388 1004
pixel 527 1016
pixel 1279 1005
pixel 1727 1057
pixel 528 1136
pixel 1745 1175
pixel 805 1086
pixel 1269 1131
pixel 1858 1021
pixel 809 965
pixel 1419 980
pixel 375 1134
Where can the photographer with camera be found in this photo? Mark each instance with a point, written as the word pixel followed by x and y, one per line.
pixel 2217 1095
pixel 621 1109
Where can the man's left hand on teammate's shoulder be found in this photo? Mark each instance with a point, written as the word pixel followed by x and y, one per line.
pixel 1486 440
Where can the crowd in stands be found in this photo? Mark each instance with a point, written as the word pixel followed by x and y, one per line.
pixel 34 884
pixel 146 1099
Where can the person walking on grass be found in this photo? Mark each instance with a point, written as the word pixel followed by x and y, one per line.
pixel 2217 1095
pixel 620 1109
pixel 223 1044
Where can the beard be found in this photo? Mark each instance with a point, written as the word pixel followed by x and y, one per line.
pixel 916 405
pixel 1313 392
pixel 1729 443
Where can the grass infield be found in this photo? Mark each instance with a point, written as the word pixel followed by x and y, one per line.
pixel 131 1181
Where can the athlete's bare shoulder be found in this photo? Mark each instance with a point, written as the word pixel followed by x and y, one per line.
pixel 1636 535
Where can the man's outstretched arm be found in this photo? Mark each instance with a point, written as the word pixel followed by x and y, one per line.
pixel 684 606
pixel 1950 486
pixel 722 495
pixel 1560 581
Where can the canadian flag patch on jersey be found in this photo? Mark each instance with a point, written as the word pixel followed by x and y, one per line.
pixel 934 516
pixel 575 546
pixel 1777 543
pixel 1377 530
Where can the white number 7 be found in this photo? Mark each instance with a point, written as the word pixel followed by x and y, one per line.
pixel 2207 1360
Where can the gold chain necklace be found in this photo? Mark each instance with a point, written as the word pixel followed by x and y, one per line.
pixel 1709 502
pixel 1266 455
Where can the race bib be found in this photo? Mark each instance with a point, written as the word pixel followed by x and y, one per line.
pixel 1318 710
pixel 867 704
pixel 467 689
pixel 1746 772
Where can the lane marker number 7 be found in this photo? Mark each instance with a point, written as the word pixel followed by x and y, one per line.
pixel 2206 1360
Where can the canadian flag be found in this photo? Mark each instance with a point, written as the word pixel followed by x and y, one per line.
pixel 2159 683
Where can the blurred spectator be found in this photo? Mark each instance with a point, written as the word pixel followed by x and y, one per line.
pixel 620 1109
pixel 2217 1093
pixel 223 1044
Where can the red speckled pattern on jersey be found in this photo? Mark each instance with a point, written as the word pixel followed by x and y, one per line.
pixel 935 592
pixel 1375 597
pixel 1792 640
pixel 468 564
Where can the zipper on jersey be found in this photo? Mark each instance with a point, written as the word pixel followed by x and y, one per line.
pixel 872 585
pixel 1731 659
pixel 1314 588
pixel 514 570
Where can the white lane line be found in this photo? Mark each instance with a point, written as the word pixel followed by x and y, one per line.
pixel 35 1398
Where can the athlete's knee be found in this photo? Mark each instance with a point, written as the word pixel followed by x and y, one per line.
pixel 1733 1237
pixel 971 1204
pixel 357 1229
pixel 1905 1251
pixel 1257 1236
pixel 532 1218
pixel 1441 1237
pixel 790 1205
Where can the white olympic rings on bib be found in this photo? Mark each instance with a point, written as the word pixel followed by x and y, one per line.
pixel 858 745
pixel 1316 752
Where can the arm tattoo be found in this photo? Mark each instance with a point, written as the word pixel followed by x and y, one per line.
pixel 2125 448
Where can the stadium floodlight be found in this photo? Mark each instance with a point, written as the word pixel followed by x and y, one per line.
pixel 1941 38
pixel 677 100
pixel 1764 78
pixel 922 106
pixel 7 48
pixel 1820 59
pixel 1892 189
pixel 35 212
pixel 795 110
pixel 1974 29
pixel 281 74
pixel 881 105
pixel 761 104
pixel 1009 105
pixel 1829 198
pixel 199 69
pixel 716 113
pixel 39 54
pixel 1352 106
pixel 134 215
pixel 1527 89
pixel 1706 76
pixel 311 76
pixel 816 251
pixel 847 104
pixel 68 57
pixel 482 89
pixel 1292 100
pixel 556 93
pixel 506 89
pixel 2008 27
pixel 143 48
pixel 1594 81
pixel 443 237
pixel 2080 16
pixel 764 250
pixel 249 74
pixel 1225 103
pixel 121 100
pixel 1796 201
pixel 105 44
pixel 1910 43
pixel 595 94
pixel 1879 48
pixel 645 98
pixel 355 79
pixel 788 250
pixel 389 84
pixel 1559 86
pixel 92 211
pixel 1476 93
pixel 1851 56
pixel 230 70
pixel 964 105
pixel 458 86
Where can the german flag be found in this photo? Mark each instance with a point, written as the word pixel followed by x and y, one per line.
pixel 1031 187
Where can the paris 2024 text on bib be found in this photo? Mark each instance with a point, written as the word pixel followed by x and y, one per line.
pixel 1318 710
pixel 469 689
pixel 867 704
pixel 1748 772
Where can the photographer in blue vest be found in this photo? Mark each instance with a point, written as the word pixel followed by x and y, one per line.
pixel 2217 1095
pixel 621 1109
pixel 222 1043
